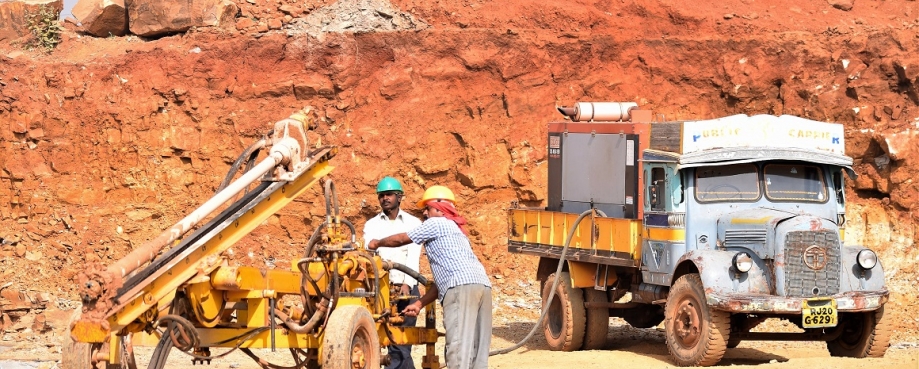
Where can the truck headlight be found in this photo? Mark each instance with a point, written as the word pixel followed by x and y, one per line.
pixel 867 259
pixel 742 262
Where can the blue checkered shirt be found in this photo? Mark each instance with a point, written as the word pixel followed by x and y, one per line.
pixel 449 254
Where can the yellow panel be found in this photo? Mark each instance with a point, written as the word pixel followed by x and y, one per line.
pixel 407 335
pixel 550 228
pixel 583 275
pixel 258 312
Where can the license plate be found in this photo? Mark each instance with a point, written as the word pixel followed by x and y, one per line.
pixel 819 313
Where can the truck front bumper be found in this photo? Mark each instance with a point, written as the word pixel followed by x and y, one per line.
pixel 852 301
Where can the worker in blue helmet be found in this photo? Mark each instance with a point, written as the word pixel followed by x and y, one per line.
pixel 392 220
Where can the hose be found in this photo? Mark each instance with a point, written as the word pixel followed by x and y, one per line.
pixel 545 309
pixel 308 253
pixel 376 281
pixel 388 265
pixel 250 153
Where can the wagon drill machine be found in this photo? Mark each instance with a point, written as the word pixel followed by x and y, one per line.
pixel 179 289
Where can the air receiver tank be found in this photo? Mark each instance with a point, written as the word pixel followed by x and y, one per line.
pixel 599 111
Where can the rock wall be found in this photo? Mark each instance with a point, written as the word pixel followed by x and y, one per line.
pixel 107 142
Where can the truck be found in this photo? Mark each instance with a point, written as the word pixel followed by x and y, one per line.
pixel 708 226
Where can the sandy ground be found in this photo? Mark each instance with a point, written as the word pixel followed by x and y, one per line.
pixel 625 347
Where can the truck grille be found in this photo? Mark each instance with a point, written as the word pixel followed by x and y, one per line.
pixel 811 263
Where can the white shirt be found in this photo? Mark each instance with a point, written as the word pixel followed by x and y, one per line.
pixel 380 227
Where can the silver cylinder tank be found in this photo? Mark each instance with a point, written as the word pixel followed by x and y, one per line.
pixel 603 111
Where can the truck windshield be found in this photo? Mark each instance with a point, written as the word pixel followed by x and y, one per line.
pixel 794 182
pixel 727 183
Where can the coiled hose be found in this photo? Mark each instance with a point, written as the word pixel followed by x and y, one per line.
pixel 545 309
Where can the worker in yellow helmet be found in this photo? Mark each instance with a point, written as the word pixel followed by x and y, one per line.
pixel 460 281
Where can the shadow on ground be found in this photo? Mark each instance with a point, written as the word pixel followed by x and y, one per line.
pixel 646 342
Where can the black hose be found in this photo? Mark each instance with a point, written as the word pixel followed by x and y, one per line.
pixel 545 309
pixel 330 204
pixel 314 238
pixel 249 153
pixel 409 271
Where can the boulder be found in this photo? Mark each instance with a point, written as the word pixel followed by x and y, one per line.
pixel 13 16
pixel 102 18
pixel 152 18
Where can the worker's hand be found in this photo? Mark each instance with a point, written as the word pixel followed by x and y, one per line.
pixel 373 244
pixel 405 290
pixel 412 309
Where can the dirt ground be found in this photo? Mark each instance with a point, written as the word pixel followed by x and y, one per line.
pixel 626 347
pixel 106 142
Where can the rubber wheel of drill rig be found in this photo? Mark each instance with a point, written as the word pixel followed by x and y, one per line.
pixel 350 340
pixel 75 355
pixel 696 334
pixel 597 323
pixel 565 321
pixel 865 334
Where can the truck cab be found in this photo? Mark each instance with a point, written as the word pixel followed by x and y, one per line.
pixel 726 222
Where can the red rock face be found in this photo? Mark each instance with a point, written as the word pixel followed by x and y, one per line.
pixel 106 142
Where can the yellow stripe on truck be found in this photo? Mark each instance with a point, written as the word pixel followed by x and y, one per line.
pixel 665 234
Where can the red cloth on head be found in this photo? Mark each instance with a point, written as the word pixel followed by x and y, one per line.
pixel 450 213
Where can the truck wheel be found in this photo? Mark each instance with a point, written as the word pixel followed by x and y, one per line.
pixel 864 335
pixel 350 340
pixel 597 321
pixel 696 334
pixel 644 317
pixel 565 320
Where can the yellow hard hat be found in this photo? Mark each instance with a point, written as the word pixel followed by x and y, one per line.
pixel 437 192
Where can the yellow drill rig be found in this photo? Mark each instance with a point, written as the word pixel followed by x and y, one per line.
pixel 178 290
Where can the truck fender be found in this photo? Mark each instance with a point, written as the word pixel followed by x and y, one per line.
pixel 857 278
pixel 719 276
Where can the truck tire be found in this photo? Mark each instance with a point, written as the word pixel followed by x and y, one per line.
pixel 565 321
pixel 696 334
pixel 350 340
pixel 597 321
pixel 864 335
pixel 644 317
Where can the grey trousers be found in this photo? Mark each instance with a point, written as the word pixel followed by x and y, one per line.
pixel 467 321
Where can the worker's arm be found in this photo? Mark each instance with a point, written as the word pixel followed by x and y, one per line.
pixel 429 296
pixel 395 240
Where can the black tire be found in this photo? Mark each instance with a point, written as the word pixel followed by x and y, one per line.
pixel 350 340
pixel 596 322
pixel 696 334
pixel 644 317
pixel 864 335
pixel 75 355
pixel 565 321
